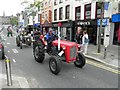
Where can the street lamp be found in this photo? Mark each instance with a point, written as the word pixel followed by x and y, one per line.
pixel 99 36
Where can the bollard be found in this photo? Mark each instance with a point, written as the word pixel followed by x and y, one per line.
pixel 105 52
pixel 8 72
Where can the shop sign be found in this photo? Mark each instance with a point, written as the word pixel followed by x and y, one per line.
pixel 83 23
pixel 104 22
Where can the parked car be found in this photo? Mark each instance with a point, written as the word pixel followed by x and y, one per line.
pixel 2 55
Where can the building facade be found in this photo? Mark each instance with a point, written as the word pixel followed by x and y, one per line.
pixel 46 15
pixel 85 14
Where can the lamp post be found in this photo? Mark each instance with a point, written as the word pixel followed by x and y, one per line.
pixel 99 36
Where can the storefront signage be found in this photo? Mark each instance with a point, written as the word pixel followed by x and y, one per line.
pixel 83 23
pixel 116 17
pixel 104 22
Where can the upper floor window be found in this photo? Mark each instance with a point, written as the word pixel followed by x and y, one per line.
pixel 60 13
pixel 67 12
pixel 60 1
pixel 78 13
pixel 55 2
pixel 55 14
pixel 87 11
pixel 119 7
pixel 98 9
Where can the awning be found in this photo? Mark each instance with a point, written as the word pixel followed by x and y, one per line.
pixel 116 17
pixel 37 25
pixel 45 23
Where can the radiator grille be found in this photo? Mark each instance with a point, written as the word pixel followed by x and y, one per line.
pixel 73 52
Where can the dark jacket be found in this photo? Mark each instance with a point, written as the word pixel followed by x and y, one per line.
pixel 78 38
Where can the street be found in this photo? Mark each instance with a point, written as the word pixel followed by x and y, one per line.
pixel 38 75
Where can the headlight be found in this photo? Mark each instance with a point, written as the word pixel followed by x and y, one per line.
pixel 63 47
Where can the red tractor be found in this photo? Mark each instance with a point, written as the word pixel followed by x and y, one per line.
pixel 68 53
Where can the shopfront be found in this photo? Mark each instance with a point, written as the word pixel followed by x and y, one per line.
pixel 116 21
pixel 66 30
pixel 45 26
pixel 90 26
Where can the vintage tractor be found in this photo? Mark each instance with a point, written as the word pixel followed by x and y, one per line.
pixel 23 38
pixel 68 52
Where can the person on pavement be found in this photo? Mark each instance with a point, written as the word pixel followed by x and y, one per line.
pixel 78 36
pixel 9 29
pixel 85 42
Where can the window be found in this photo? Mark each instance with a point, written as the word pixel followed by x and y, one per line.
pixel 67 12
pixel 55 2
pixel 78 13
pixel 60 13
pixel 60 1
pixel 88 11
pixel 38 17
pixel 119 7
pixel 55 14
pixel 98 9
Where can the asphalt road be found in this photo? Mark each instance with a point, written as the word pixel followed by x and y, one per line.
pixel 93 75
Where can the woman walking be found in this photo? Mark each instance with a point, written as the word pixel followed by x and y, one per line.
pixel 85 42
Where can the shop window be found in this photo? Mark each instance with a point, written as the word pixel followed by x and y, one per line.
pixel 55 14
pixel 60 13
pixel 88 11
pixel 67 12
pixel 78 13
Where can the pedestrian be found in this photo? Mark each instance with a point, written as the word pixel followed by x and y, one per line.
pixel 85 42
pixel 78 36
pixel 9 29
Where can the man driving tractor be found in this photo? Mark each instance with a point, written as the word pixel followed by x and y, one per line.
pixel 50 36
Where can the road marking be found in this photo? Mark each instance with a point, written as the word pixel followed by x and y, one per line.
pixel 8 43
pixel 14 60
pixel 8 51
pixel 15 51
pixel 103 67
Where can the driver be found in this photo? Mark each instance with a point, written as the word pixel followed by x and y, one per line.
pixel 50 37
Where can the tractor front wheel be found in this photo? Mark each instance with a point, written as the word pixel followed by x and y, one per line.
pixel 80 60
pixel 54 65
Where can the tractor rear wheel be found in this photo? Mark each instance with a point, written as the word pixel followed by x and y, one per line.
pixel 21 45
pixel 54 65
pixel 17 41
pixel 39 53
pixel 80 60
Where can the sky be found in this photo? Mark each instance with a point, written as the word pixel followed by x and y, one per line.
pixel 10 7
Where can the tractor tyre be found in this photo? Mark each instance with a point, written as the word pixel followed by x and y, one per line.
pixel 54 65
pixel 3 54
pixel 80 60
pixel 17 42
pixel 21 45
pixel 39 53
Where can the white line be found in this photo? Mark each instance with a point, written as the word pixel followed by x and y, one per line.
pixel 8 51
pixel 15 51
pixel 8 43
pixel 14 60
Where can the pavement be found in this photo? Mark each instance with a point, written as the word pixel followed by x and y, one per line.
pixel 112 53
